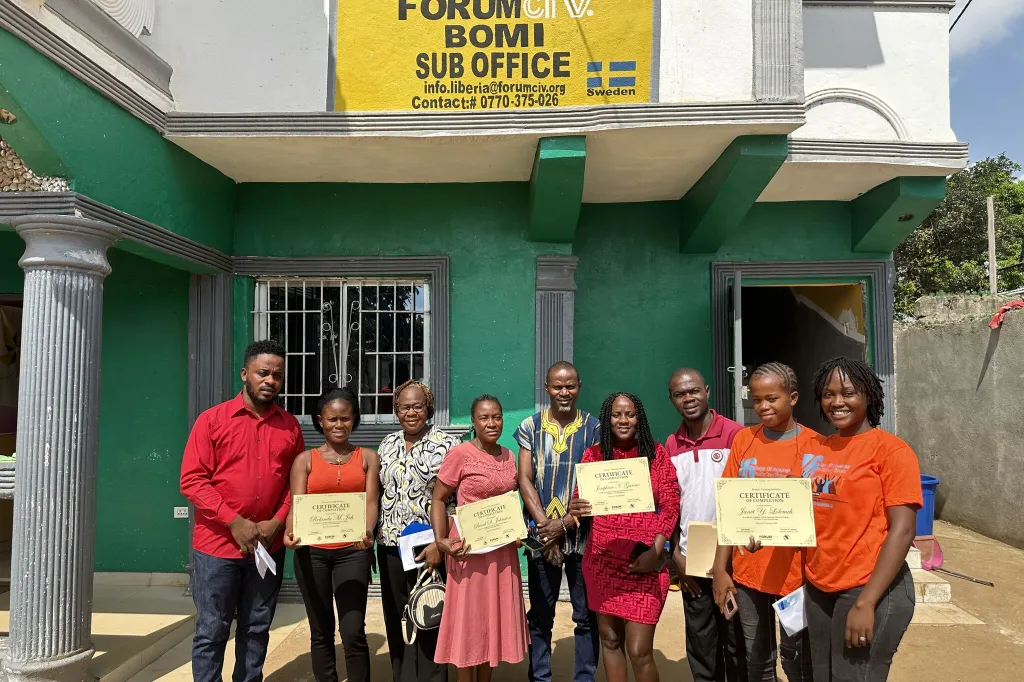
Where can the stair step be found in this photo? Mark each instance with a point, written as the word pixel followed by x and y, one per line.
pixel 930 588
pixel 914 558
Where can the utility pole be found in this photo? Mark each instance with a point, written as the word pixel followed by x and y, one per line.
pixel 993 286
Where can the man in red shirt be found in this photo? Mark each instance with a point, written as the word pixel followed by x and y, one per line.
pixel 699 450
pixel 235 473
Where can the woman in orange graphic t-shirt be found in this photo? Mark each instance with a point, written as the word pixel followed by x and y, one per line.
pixel 336 573
pixel 769 450
pixel 867 490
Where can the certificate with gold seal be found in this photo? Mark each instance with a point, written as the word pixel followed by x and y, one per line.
pixel 778 512
pixel 490 523
pixel 329 518
pixel 621 486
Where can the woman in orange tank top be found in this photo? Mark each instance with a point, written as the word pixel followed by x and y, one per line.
pixel 336 573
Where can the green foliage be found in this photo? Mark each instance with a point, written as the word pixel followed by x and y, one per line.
pixel 948 253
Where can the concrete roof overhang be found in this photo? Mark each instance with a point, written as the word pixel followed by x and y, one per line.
pixel 644 152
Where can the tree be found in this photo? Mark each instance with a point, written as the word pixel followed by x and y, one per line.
pixel 948 253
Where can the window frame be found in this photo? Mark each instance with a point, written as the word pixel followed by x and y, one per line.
pixel 261 330
pixel 433 269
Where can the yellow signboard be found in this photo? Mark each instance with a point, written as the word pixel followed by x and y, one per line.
pixel 476 55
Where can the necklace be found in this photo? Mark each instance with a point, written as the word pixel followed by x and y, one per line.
pixel 340 460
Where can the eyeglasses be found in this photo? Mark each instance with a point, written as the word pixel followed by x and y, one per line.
pixel 404 409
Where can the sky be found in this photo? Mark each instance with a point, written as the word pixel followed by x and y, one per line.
pixel 987 77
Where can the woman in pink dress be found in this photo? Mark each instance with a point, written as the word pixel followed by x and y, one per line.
pixel 484 618
pixel 624 566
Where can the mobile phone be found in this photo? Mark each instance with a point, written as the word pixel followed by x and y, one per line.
pixel 418 549
pixel 730 606
pixel 533 544
pixel 638 549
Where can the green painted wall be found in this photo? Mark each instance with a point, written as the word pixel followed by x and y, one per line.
pixel 114 157
pixel 643 309
pixel 12 279
pixel 482 227
pixel 143 417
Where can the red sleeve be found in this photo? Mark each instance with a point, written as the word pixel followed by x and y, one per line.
pixel 286 497
pixel 450 472
pixel 197 467
pixel 901 478
pixel 666 492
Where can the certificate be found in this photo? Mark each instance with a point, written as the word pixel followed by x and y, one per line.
pixel 493 522
pixel 621 486
pixel 329 518
pixel 778 512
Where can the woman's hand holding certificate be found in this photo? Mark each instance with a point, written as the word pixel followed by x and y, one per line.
pixel 620 486
pixel 329 518
pixel 491 523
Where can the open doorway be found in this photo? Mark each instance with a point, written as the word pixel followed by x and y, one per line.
pixel 10 363
pixel 800 313
pixel 802 326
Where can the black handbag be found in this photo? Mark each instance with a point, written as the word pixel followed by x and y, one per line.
pixel 426 601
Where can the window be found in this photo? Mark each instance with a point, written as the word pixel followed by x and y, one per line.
pixel 368 334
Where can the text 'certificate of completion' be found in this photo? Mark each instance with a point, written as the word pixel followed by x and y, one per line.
pixel 621 486
pixel 778 512
pixel 490 523
pixel 329 518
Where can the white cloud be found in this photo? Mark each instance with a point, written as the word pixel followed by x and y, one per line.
pixel 986 23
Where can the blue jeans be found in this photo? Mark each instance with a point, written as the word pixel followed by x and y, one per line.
pixel 222 590
pixel 545 582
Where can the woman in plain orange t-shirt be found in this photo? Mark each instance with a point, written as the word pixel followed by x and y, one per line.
pixel 336 573
pixel 867 490
pixel 769 450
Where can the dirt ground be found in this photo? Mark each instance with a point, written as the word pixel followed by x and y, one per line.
pixel 991 652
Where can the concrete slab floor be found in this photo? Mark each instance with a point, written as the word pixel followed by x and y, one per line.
pixel 131 626
pixel 978 637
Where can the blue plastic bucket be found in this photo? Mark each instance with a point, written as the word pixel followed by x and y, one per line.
pixel 926 514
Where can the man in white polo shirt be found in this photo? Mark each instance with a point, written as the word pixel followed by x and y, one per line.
pixel 699 450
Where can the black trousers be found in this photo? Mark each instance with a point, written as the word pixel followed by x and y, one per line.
pixel 714 645
pixel 336 576
pixel 826 624
pixel 409 663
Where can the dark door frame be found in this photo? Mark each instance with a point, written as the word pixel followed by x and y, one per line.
pixel 879 275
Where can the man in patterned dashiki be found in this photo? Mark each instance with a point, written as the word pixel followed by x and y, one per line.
pixel 551 444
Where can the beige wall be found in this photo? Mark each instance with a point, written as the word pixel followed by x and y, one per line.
pixel 960 405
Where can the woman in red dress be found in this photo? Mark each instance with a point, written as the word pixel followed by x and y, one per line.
pixel 628 591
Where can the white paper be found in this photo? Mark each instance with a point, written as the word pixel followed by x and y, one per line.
pixel 407 545
pixel 264 562
pixel 484 550
pixel 792 612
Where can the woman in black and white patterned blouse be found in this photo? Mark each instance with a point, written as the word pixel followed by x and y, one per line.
pixel 409 461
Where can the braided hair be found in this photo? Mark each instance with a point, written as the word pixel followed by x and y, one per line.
pixel 863 378
pixel 784 373
pixel 346 394
pixel 428 396
pixel 644 439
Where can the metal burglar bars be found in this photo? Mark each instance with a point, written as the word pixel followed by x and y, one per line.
pixel 369 335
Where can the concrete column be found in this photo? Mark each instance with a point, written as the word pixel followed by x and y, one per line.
pixel 65 262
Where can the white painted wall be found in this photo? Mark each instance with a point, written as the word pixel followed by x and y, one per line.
pixel 898 56
pixel 244 55
pixel 258 56
pixel 707 52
